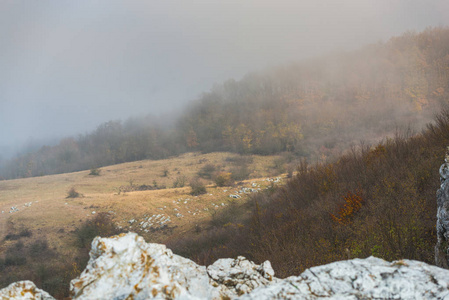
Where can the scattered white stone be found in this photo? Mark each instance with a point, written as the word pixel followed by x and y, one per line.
pixel 235 196
pixel 93 212
pixel 131 221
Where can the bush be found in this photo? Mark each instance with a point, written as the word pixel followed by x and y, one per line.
pixel 15 255
pixel 38 248
pixel 95 172
pixel 240 173
pixel 224 179
pixel 179 182
pixel 100 225
pixel 14 260
pixel 198 187
pixel 207 171
pixel 72 193
pixel 25 232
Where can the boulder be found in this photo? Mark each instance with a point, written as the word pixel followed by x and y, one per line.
pixel 126 267
pixel 370 278
pixel 24 290
pixel 240 275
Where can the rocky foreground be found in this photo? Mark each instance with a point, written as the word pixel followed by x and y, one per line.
pixel 126 267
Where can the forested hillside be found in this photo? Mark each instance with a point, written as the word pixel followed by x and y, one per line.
pixel 314 109
pixel 376 201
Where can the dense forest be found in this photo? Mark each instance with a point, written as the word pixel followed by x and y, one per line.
pixel 314 109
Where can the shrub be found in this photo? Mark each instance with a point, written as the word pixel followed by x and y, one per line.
pixel 240 173
pixel 15 255
pixel 100 225
pixel 14 260
pixel 72 193
pixel 207 171
pixel 179 182
pixel 38 248
pixel 95 172
pixel 198 187
pixel 25 232
pixel 224 179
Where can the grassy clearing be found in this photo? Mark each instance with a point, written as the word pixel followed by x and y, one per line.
pixel 42 207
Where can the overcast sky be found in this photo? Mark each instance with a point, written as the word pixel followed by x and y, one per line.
pixel 67 66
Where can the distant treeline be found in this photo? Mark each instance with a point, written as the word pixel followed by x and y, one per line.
pixel 314 109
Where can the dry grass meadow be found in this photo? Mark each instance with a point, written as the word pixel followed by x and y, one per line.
pixel 45 210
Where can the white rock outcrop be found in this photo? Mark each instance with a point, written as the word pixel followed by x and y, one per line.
pixel 24 290
pixel 442 226
pixel 240 275
pixel 370 278
pixel 126 267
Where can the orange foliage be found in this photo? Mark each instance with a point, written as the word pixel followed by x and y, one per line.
pixel 353 203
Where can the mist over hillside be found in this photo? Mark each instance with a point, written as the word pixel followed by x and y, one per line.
pixel 69 66
pixel 314 109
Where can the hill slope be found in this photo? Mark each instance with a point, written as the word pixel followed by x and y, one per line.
pixel 372 201
pixel 38 222
pixel 314 109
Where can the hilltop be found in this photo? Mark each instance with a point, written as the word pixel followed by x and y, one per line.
pixel 314 109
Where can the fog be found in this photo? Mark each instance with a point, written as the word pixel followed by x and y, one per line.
pixel 67 66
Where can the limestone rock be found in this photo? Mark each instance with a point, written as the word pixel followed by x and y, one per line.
pixel 240 275
pixel 442 226
pixel 370 278
pixel 24 290
pixel 125 267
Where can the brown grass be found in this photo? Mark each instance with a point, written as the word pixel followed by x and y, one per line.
pixel 54 218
